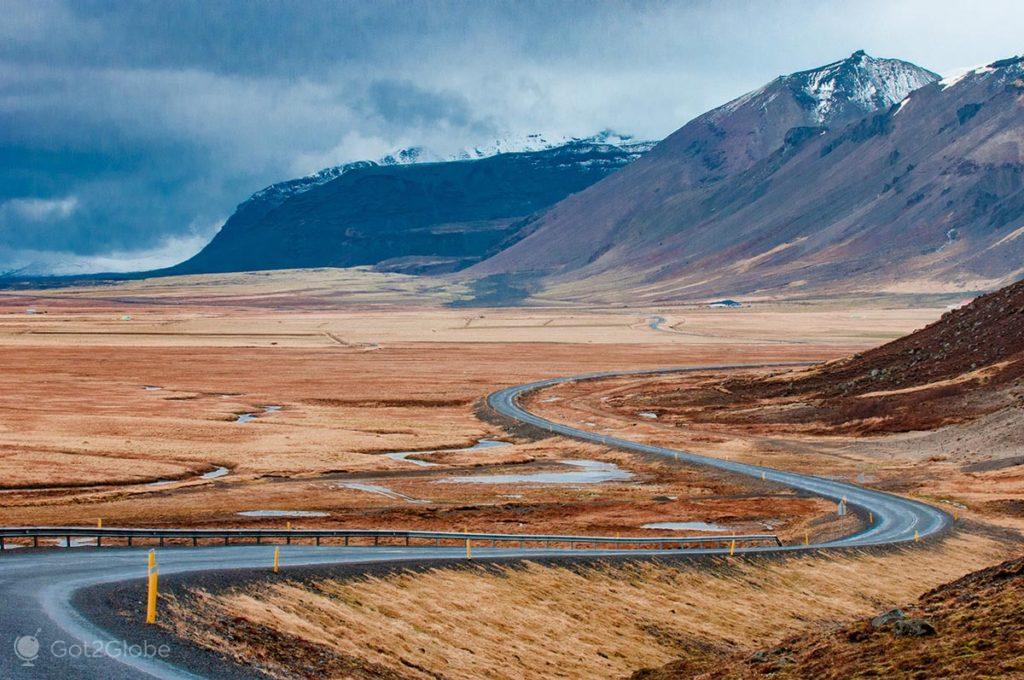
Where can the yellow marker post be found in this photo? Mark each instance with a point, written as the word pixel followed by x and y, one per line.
pixel 151 593
pixel 917 537
pixel 99 522
pixel 289 524
pixel 871 518
pixel 469 550
pixel 732 547
pixel 807 538
pixel 955 515
pixel 277 559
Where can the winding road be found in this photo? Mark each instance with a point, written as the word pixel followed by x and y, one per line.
pixel 36 587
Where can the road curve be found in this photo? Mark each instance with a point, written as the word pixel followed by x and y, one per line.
pixel 895 519
pixel 36 587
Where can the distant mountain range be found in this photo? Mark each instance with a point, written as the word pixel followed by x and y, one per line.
pixel 864 175
pixel 412 210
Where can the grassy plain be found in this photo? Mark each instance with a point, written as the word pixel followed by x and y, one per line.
pixel 360 364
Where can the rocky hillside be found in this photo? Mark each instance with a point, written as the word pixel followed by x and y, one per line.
pixel 971 628
pixel 968 364
pixel 831 180
pixel 410 211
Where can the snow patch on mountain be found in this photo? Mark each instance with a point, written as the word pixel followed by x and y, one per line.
pixel 860 81
pixel 1012 67
pixel 526 143
pixel 870 84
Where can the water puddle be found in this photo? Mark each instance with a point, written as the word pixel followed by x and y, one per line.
pixel 685 526
pixel 648 414
pixel 215 473
pixel 249 417
pixel 404 455
pixel 380 491
pixel 591 472
pixel 77 542
pixel 151 388
pixel 283 513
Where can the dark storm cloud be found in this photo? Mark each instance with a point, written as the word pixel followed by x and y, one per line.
pixel 130 130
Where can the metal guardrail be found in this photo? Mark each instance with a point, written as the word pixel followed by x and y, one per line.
pixel 376 535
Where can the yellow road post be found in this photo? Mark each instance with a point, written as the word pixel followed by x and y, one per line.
pixel 152 590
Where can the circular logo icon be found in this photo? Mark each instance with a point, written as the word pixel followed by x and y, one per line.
pixel 26 647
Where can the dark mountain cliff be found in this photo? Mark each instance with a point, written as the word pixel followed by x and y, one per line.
pixel 412 216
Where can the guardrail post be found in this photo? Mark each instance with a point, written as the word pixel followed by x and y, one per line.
pixel 376 540
pixel 195 541
pixel 129 540
pixel 407 540
pixel 346 541
pixel 98 542
pixel 161 541
pixel 1 542
pixel 318 541
pixel 35 541
pixel 67 540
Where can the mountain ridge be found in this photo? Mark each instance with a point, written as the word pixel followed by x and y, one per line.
pixel 408 212
pixel 923 195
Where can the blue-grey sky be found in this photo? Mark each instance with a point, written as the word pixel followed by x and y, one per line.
pixel 130 130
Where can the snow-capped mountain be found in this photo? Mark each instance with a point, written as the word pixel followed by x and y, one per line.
pixel 621 221
pixel 413 209
pixel 835 180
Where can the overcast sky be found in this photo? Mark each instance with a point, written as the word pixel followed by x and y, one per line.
pixel 129 131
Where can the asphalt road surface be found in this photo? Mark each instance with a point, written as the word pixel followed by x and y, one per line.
pixel 55 640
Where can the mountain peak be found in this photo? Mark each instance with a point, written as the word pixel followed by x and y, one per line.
pixel 856 85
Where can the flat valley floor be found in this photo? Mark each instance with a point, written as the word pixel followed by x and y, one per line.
pixel 264 401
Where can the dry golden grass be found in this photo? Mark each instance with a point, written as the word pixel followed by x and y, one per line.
pixel 354 379
pixel 541 622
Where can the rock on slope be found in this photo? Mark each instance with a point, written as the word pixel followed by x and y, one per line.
pixel 921 193
pixel 414 209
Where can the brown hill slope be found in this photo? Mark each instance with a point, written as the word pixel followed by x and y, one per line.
pixel 967 364
pixel 925 195
pixel 974 630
